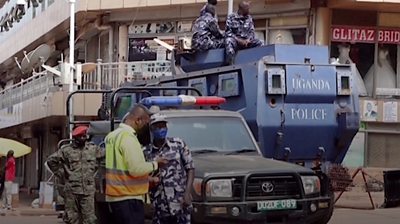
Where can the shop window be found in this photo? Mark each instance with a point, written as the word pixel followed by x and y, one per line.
pixel 146 49
pixel 260 34
pixel 287 30
pixel 153 28
pixel 361 54
pixel 287 36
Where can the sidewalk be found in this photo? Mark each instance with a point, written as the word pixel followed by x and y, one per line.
pixel 358 198
pixel 24 207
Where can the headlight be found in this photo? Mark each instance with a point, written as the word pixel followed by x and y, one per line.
pixel 311 184
pixel 219 188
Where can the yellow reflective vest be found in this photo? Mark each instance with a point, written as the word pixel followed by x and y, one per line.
pixel 119 182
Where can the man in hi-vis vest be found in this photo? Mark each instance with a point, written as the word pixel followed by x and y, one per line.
pixel 127 172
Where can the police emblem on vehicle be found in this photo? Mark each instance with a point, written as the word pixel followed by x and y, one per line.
pixel 267 187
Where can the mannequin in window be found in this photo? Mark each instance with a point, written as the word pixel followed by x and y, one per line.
pixel 386 76
pixel 344 58
pixel 280 37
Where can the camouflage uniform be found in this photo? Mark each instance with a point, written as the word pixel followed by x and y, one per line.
pixel 79 167
pixel 242 27
pixel 168 195
pixel 206 33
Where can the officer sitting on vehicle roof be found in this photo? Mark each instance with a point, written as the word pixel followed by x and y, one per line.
pixel 206 32
pixel 239 32
pixel 209 2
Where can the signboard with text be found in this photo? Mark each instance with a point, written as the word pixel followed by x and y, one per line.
pixel 365 35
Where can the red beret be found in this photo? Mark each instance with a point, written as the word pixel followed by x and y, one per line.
pixel 79 131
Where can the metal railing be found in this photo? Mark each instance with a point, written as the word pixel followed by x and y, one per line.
pixel 104 76
pixel 26 89
pixel 112 75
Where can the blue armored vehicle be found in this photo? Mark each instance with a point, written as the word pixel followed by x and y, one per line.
pixel 299 107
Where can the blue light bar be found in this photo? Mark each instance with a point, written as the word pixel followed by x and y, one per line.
pixel 162 101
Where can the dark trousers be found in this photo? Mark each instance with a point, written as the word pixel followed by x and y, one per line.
pixel 169 220
pixel 127 212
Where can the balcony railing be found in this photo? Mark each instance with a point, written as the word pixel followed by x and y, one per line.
pixel 112 75
pixel 26 89
pixel 103 76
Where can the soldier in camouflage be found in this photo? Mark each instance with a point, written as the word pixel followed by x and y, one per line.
pixel 239 32
pixel 206 32
pixel 171 188
pixel 78 163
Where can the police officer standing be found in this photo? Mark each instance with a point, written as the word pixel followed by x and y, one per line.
pixel 171 195
pixel 206 32
pixel 239 31
pixel 78 162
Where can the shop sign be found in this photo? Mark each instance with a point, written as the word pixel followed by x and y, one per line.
pixel 184 26
pixel 152 28
pixel 365 35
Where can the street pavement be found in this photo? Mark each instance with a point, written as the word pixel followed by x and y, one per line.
pixel 357 198
pixel 377 216
pixel 340 216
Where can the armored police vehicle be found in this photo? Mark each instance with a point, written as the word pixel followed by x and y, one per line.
pixel 233 183
pixel 299 107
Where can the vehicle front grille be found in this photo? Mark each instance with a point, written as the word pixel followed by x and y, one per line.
pixel 237 188
pixel 284 187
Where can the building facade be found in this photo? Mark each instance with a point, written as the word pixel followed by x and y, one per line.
pixel 114 43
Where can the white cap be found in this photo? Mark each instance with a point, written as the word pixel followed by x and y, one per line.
pixel 155 118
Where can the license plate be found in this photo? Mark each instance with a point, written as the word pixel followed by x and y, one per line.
pixel 276 205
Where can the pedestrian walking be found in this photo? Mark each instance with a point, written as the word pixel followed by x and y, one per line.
pixel 9 180
pixel 171 195
pixel 127 172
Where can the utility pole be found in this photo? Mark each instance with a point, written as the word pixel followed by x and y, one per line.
pixel 230 6
pixel 71 62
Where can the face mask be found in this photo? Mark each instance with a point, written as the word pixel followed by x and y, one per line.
pixel 80 141
pixel 160 133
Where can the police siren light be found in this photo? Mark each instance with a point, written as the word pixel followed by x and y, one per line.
pixel 183 100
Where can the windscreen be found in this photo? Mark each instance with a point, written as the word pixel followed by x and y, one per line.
pixel 223 134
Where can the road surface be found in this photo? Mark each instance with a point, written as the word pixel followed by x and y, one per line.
pixel 341 216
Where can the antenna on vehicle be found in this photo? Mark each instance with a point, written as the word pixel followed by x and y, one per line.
pixel 164 44
pixel 177 70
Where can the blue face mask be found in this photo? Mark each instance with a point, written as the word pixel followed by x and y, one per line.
pixel 160 133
